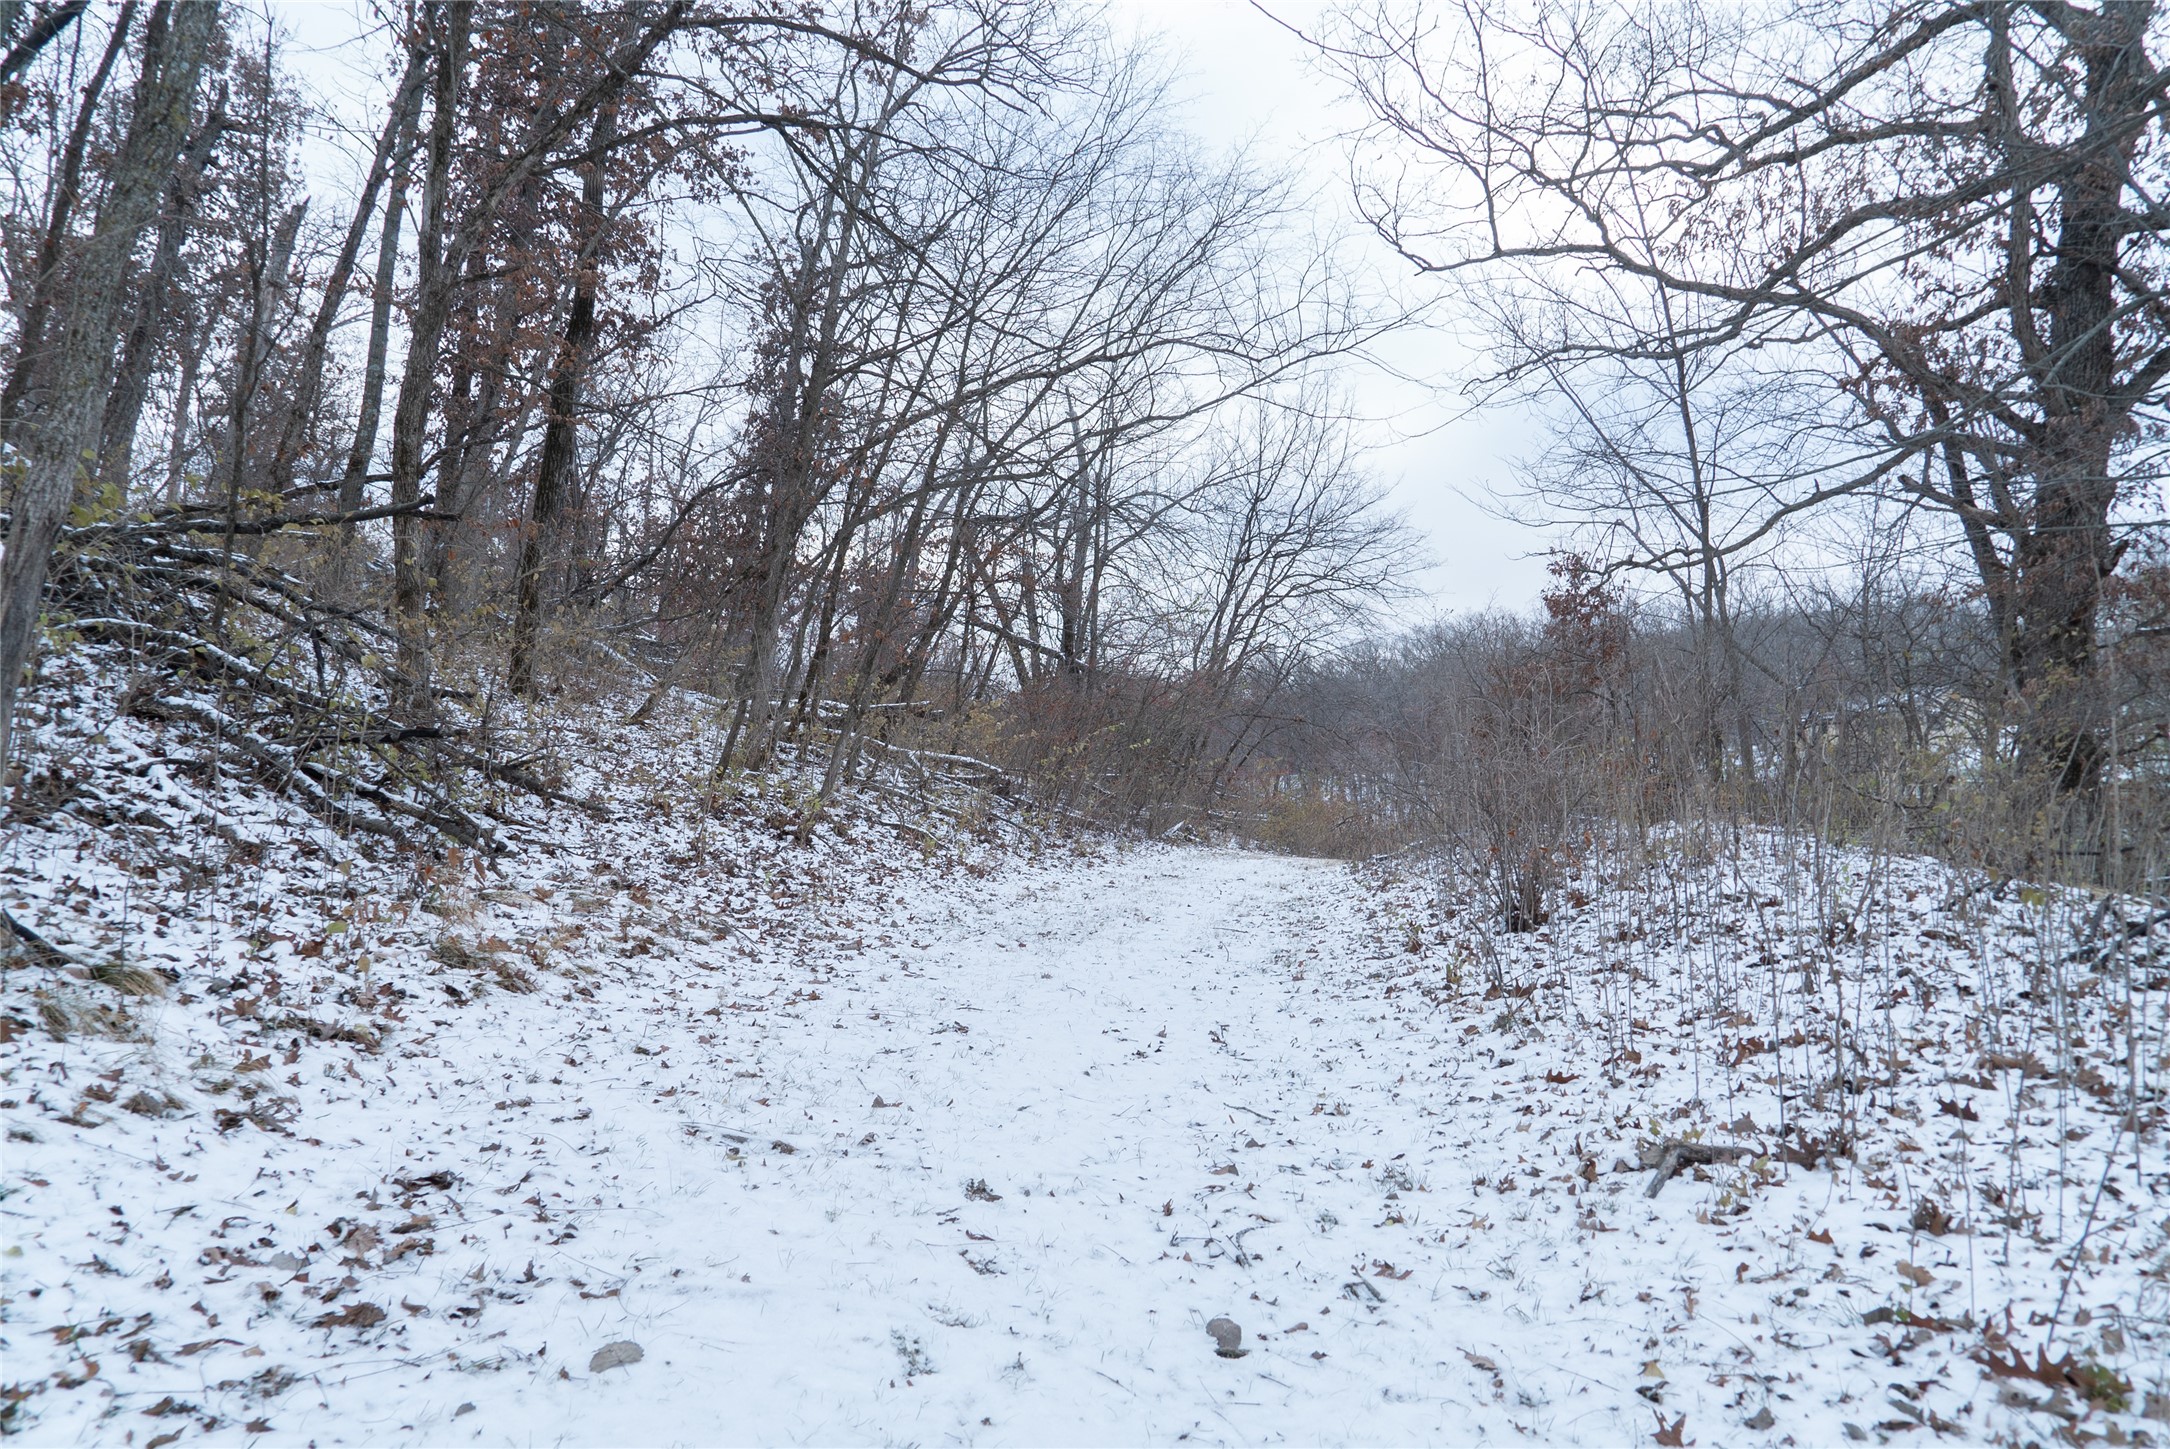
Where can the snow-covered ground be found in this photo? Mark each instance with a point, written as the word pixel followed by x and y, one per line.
pixel 670 1131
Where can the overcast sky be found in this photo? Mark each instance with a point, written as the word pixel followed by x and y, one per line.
pixel 1247 82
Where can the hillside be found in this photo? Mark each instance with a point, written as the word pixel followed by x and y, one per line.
pixel 660 1128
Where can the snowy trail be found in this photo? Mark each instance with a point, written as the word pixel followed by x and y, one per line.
pixel 973 1162
pixel 1129 1097
pixel 1171 1122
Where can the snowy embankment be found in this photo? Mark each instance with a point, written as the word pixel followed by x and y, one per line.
pixel 667 1131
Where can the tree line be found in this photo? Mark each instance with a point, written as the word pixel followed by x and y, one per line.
pixel 853 368
pixel 1844 330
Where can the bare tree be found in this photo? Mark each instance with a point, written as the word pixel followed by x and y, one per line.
pixel 1946 212
pixel 61 425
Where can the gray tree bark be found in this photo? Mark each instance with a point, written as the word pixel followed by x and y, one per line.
pixel 62 432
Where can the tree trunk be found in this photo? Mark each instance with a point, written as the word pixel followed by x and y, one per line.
pixel 2067 551
pixel 554 468
pixel 301 406
pixel 356 474
pixel 42 33
pixel 63 432
pixel 132 378
pixel 47 285
pixel 436 274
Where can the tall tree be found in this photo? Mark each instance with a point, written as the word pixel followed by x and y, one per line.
pixel 61 425
pixel 1949 212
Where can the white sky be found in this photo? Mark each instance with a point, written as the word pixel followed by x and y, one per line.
pixel 1247 82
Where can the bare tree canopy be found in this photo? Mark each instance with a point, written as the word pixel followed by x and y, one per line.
pixel 1933 232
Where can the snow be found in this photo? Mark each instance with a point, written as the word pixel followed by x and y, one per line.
pixel 869 1141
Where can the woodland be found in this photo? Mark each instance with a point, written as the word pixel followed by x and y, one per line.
pixel 755 468
pixel 910 376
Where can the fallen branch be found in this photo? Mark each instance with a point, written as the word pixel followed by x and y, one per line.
pixel 35 946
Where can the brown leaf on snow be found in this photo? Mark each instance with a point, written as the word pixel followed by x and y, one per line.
pixel 1930 1217
pixel 1670 1435
pixel 354 1315
pixel 2095 1383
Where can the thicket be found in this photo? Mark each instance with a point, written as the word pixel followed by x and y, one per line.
pixel 1517 745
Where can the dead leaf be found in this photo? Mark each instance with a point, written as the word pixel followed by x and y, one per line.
pixel 1670 1436
pixel 2061 1373
pixel 1919 1277
pixel 615 1355
pixel 354 1315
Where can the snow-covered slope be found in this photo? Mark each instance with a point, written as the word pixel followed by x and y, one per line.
pixel 663 1129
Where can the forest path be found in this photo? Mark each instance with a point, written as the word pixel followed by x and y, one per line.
pixel 971 1162
pixel 1131 1100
